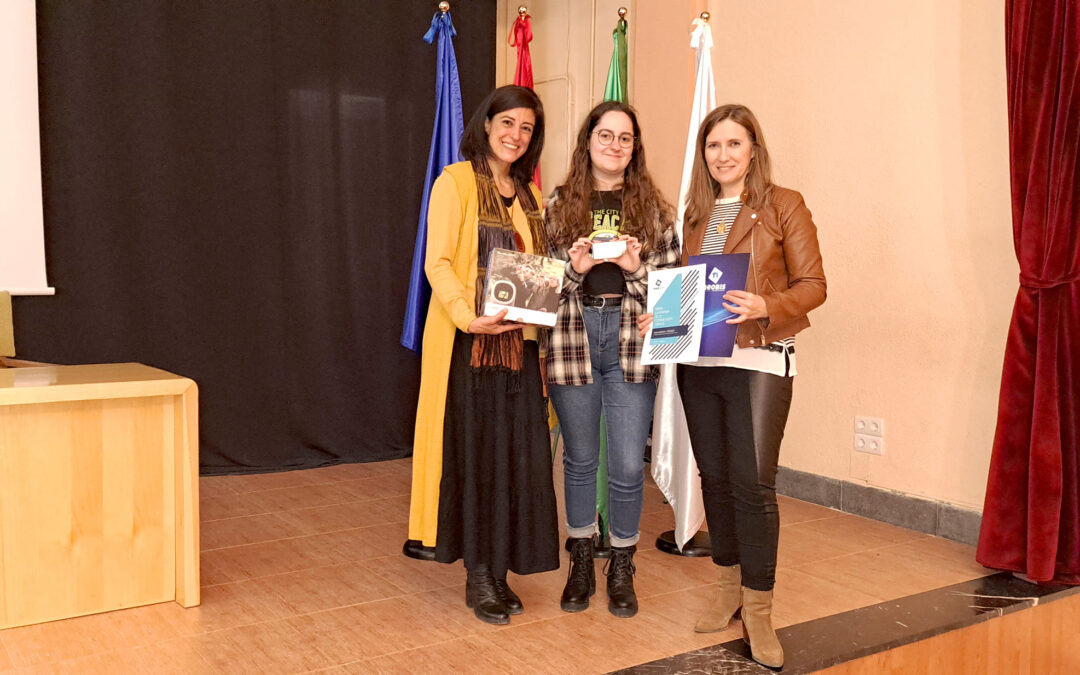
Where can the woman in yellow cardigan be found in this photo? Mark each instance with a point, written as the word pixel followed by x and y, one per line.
pixel 481 464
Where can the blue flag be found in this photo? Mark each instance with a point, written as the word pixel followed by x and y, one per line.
pixel 445 149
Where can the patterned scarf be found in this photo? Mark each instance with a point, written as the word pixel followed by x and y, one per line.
pixel 496 230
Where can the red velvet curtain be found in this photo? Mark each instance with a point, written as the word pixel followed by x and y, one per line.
pixel 1031 518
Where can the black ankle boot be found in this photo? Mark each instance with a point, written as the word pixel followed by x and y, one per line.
pixel 509 598
pixel 581 580
pixel 482 597
pixel 622 601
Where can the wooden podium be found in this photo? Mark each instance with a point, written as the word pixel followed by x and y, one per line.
pixel 99 490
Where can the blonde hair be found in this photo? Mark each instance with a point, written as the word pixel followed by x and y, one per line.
pixel 703 187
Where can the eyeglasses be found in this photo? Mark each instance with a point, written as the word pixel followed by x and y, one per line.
pixel 606 137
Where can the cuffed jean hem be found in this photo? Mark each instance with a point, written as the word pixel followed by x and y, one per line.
pixel 581 532
pixel 619 542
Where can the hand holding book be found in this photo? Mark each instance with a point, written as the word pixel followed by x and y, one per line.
pixel 745 305
pixel 644 322
pixel 493 325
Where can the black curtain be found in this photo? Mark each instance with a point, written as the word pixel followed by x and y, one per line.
pixel 231 193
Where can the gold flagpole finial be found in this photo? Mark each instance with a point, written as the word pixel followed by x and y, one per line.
pixel 705 17
pixel 444 6
pixel 523 10
pixel 622 12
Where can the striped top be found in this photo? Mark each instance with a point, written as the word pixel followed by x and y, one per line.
pixel 723 215
pixel 755 358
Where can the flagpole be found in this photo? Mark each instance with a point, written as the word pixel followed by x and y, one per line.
pixel 673 467
pixel 615 89
pixel 445 149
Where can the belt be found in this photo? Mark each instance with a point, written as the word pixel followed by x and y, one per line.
pixel 773 347
pixel 598 301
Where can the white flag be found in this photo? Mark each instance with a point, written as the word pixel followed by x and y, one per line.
pixel 673 465
pixel 704 102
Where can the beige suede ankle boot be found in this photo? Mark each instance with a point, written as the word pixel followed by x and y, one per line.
pixel 727 602
pixel 758 630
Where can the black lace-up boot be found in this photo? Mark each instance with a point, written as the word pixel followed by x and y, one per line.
pixel 483 598
pixel 581 580
pixel 509 598
pixel 622 601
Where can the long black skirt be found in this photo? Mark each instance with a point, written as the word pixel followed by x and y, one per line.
pixel 496 498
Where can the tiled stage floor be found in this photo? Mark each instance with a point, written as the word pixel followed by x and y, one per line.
pixel 302 571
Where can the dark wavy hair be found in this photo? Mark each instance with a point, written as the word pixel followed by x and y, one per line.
pixel 645 213
pixel 704 189
pixel 474 143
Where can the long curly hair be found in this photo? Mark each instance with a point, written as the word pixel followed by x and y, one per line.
pixel 645 213
pixel 703 187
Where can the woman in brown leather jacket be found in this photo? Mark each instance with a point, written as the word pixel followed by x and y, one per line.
pixel 737 407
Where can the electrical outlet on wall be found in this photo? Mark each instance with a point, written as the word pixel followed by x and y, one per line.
pixel 869 434
pixel 869 444
pixel 871 426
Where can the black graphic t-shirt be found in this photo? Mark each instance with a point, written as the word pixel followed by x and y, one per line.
pixel 605 278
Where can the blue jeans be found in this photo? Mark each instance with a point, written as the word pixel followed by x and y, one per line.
pixel 627 409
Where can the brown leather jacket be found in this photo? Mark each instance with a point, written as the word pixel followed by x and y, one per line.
pixel 785 264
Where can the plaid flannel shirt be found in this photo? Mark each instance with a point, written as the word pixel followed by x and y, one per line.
pixel 568 360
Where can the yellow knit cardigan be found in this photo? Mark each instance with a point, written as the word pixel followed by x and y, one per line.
pixel 450 265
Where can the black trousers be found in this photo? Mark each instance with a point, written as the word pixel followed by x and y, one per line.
pixel 736 421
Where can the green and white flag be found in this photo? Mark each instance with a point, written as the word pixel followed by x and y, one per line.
pixel 615 89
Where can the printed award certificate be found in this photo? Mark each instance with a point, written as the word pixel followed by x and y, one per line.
pixel 723 273
pixel 676 300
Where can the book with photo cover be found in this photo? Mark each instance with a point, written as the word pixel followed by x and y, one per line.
pixel 528 286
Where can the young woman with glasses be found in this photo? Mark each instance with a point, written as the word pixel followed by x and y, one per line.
pixel 594 365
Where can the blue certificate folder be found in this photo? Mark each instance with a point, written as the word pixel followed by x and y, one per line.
pixel 723 273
